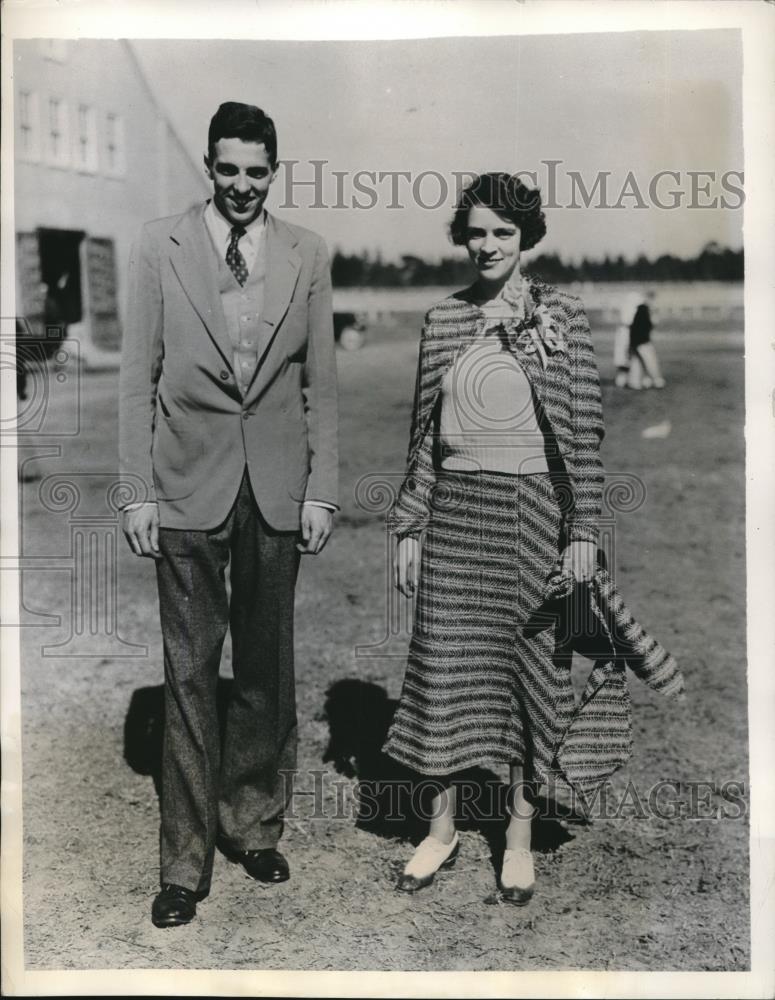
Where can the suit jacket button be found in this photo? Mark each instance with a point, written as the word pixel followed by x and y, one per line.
pixel 224 375
pixel 245 414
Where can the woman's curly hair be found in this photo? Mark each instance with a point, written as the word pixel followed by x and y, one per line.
pixel 508 197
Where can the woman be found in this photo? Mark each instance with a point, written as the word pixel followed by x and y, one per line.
pixel 504 479
pixel 644 372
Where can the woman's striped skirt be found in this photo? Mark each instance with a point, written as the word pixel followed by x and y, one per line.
pixel 483 684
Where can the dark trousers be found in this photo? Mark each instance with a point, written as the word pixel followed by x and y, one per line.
pixel 238 789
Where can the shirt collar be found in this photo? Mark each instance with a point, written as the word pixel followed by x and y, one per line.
pixel 220 227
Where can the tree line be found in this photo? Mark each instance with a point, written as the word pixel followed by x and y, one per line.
pixel 713 263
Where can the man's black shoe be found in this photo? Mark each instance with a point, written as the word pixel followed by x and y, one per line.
pixel 175 905
pixel 267 865
pixel 264 865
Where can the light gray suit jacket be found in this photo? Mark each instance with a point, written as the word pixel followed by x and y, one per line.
pixel 185 433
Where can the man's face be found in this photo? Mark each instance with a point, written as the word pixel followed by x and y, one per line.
pixel 241 174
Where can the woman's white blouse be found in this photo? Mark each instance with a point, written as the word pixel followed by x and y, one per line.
pixel 488 414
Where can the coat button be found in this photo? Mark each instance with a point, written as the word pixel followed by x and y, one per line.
pixel 245 414
pixel 224 375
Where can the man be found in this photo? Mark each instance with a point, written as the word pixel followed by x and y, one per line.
pixel 228 419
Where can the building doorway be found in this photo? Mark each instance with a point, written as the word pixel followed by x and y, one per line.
pixel 60 273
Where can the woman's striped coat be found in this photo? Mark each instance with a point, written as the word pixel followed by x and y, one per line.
pixel 482 682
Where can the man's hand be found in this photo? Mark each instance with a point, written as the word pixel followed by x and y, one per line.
pixel 141 528
pixel 406 565
pixel 317 523
pixel 581 558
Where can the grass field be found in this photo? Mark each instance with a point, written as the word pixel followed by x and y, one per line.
pixel 630 891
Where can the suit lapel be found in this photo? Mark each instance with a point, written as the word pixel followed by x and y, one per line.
pixel 193 260
pixel 282 272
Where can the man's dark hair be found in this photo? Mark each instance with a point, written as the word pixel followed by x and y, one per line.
pixel 233 120
pixel 508 197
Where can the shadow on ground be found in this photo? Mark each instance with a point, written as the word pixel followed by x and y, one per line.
pixel 144 727
pixel 395 801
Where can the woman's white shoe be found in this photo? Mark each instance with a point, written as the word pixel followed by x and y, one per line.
pixel 430 856
pixel 517 876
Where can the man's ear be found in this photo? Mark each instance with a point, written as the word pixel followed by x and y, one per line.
pixel 208 168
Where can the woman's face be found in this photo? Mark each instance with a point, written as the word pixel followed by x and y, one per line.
pixel 493 244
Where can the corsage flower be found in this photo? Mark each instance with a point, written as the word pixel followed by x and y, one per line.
pixel 528 326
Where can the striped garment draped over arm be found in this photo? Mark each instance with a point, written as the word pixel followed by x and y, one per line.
pixel 584 463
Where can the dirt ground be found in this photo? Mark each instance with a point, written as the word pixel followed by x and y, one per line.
pixel 630 890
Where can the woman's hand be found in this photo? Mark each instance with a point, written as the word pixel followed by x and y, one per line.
pixel 406 565
pixel 581 558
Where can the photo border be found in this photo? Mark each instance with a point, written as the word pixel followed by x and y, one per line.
pixel 362 19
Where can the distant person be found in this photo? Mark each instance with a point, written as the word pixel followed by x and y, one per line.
pixel 22 359
pixel 644 371
pixel 502 495
pixel 228 415
pixel 622 358
pixel 34 351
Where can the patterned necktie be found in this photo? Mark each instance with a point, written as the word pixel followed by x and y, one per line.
pixel 234 258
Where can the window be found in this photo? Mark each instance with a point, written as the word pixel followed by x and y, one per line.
pixel 58 149
pixel 115 160
pixel 54 48
pixel 29 126
pixel 86 139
